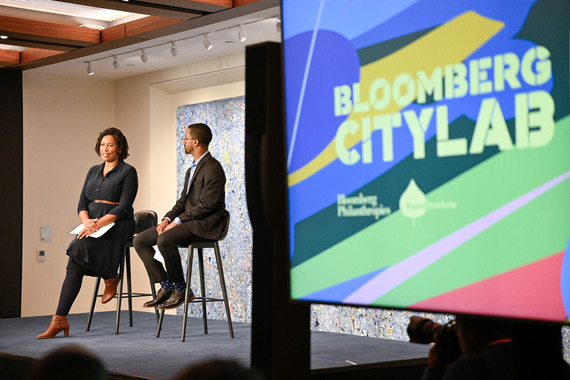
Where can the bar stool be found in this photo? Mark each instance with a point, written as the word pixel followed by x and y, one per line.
pixel 199 245
pixel 144 219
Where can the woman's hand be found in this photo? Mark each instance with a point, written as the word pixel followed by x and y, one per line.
pixel 84 233
pixel 91 225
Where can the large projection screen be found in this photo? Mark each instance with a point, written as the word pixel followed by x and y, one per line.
pixel 428 154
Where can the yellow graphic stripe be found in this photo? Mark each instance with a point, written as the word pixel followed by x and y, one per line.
pixel 448 44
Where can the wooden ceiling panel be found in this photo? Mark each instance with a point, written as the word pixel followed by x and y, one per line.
pixel 41 41
pixel 148 24
pixel 30 55
pixel 37 44
pixel 34 30
pixel 114 33
pixel 208 6
pixel 239 3
pixel 177 9
pixel 9 57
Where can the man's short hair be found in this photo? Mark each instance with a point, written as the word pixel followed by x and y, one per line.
pixel 201 132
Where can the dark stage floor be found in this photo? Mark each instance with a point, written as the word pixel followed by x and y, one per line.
pixel 136 352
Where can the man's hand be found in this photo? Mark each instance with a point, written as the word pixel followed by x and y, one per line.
pixel 433 357
pixel 160 228
pixel 170 226
pixel 165 226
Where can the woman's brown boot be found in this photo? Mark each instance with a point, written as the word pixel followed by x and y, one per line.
pixel 110 290
pixel 58 323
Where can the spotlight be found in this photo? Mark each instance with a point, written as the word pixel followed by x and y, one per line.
pixel 278 24
pixel 173 50
pixel 89 71
pixel 207 43
pixel 241 35
pixel 4 37
pixel 144 58
pixel 116 62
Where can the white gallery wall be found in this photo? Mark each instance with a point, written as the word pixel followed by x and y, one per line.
pixel 62 119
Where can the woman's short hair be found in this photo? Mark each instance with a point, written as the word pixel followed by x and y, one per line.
pixel 120 140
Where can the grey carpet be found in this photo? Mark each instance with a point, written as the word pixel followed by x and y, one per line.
pixel 136 351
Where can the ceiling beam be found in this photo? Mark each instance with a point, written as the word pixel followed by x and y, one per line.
pixel 208 6
pixel 48 32
pixel 148 24
pixel 238 3
pixel 136 28
pixel 140 30
pixel 9 57
pixel 179 9
pixel 36 44
pixel 30 55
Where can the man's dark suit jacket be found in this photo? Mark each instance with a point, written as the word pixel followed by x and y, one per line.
pixel 203 209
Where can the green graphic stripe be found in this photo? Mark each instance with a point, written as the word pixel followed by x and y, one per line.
pixel 476 192
pixel 517 240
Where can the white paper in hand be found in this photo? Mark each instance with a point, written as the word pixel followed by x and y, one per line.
pixel 96 234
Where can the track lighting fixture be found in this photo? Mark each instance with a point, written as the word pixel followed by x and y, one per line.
pixel 144 58
pixel 207 43
pixel 89 71
pixel 173 50
pixel 241 35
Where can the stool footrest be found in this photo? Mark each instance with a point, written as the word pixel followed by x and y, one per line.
pixel 206 299
pixel 133 295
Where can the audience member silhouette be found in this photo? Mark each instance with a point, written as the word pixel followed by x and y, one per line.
pixel 69 363
pixel 487 352
pixel 218 369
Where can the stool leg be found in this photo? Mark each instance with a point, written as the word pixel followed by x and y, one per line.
pixel 97 282
pixel 203 289
pixel 159 324
pixel 188 279
pixel 129 285
pixel 120 293
pixel 153 291
pixel 223 285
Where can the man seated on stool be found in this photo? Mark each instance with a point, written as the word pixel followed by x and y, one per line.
pixel 199 213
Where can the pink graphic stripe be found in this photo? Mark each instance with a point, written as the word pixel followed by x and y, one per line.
pixel 532 290
pixel 407 268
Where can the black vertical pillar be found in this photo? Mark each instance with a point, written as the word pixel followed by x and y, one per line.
pixel 11 187
pixel 538 351
pixel 280 345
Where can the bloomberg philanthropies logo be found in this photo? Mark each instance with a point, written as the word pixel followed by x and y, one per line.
pixel 360 206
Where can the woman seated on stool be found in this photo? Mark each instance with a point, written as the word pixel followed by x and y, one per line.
pixel 107 196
